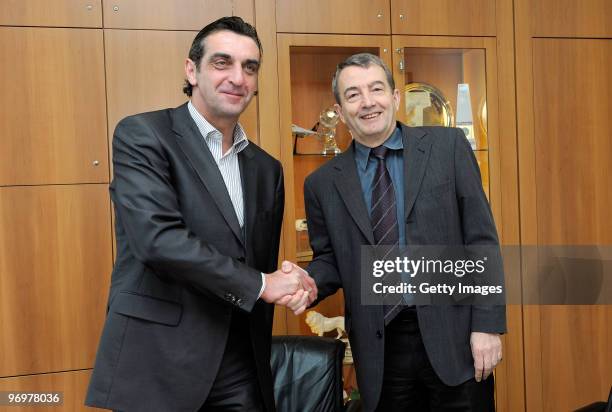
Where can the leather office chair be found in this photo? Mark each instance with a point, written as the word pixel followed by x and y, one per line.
pixel 307 373
pixel 598 406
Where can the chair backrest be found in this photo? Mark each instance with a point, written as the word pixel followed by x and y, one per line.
pixel 598 406
pixel 307 373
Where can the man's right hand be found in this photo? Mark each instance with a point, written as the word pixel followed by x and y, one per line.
pixel 280 284
pixel 302 299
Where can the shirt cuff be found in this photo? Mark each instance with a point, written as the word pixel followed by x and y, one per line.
pixel 263 285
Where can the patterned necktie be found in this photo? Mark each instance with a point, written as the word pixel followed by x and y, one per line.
pixel 383 215
pixel 384 222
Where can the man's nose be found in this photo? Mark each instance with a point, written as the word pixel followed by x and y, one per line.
pixel 237 76
pixel 366 100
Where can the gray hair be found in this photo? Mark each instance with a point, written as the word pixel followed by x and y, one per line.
pixel 361 60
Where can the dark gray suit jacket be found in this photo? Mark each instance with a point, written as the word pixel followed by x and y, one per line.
pixel 444 205
pixel 183 265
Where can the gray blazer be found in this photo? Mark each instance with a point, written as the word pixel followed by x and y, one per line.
pixel 183 266
pixel 444 205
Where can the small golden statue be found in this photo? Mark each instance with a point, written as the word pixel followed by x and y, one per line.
pixel 328 120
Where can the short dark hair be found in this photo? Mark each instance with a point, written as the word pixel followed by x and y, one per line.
pixel 234 24
pixel 361 60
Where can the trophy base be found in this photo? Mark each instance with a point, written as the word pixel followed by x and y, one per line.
pixel 331 151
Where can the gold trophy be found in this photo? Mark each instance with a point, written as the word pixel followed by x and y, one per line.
pixel 328 119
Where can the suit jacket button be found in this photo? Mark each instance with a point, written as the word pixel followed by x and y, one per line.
pixel 379 334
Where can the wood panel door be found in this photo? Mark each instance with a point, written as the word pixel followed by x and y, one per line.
pixel 53 113
pixel 569 350
pixel 55 262
pixel 443 17
pixel 55 13
pixel 564 152
pixel 336 16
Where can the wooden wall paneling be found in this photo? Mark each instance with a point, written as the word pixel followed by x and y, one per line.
pixel 246 10
pixel 510 379
pixel 72 384
pixel 55 261
pixel 554 333
pixel 568 18
pixel 338 16
pixel 144 71
pixel 268 97
pixel 330 49
pixel 53 116
pixel 58 13
pixel 573 149
pixel 573 146
pixel 250 118
pixel 576 355
pixel 164 14
pixel 443 17
pixel 527 195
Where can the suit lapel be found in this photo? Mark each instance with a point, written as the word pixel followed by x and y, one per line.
pixel 248 173
pixel 348 185
pixel 416 153
pixel 195 149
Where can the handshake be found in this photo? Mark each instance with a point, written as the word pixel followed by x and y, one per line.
pixel 290 286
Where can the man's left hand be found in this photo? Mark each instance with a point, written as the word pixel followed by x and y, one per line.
pixel 487 353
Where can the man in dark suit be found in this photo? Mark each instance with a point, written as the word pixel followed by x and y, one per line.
pixel 198 219
pixel 403 186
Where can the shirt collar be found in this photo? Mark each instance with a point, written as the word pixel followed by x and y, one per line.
pixel 208 131
pixel 362 153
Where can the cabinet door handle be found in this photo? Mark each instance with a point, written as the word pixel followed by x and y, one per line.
pixel 401 65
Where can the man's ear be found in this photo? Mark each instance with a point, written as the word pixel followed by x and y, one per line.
pixel 397 97
pixel 339 111
pixel 190 72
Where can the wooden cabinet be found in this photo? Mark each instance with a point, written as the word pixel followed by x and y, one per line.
pixel 53 113
pixel 58 13
pixel 55 261
pixel 443 17
pixel 569 18
pixel 335 16
pixel 164 14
